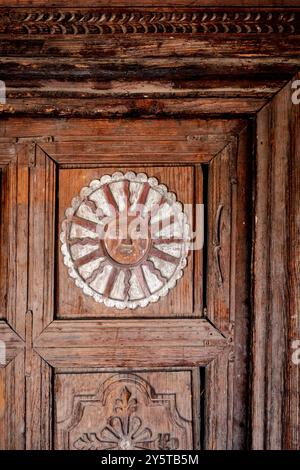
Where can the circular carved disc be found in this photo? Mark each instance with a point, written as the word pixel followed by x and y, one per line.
pixel 125 240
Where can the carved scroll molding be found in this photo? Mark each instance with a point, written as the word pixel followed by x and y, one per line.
pixel 125 414
pixel 52 21
pixel 125 240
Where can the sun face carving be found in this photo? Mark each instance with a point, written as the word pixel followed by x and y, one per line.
pixel 125 240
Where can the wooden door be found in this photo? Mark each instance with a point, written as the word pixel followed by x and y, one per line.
pixel 135 343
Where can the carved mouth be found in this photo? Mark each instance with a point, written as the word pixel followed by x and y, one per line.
pixel 126 249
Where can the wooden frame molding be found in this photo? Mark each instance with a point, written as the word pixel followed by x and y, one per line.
pixel 231 69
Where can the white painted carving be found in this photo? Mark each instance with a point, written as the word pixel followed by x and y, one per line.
pixel 125 240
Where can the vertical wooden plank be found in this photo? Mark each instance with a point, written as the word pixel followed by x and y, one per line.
pixel 260 279
pixel 12 405
pixel 221 229
pixel 219 240
pixel 276 277
pixel 217 403
pixel 240 288
pixel 196 388
pixel 292 380
pixel 41 241
pixel 198 254
pixel 17 194
pixel 2 408
pixel 40 299
pixel 228 292
pixel 38 405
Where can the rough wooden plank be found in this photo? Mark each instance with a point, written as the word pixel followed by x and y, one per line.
pixel 12 405
pixel 41 240
pixel 292 402
pixel 129 130
pixel 38 405
pixel 189 148
pixel 221 232
pixel 14 228
pixel 275 377
pixel 129 343
pixel 146 107
pixel 12 342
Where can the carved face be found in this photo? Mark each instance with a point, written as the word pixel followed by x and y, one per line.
pixel 124 240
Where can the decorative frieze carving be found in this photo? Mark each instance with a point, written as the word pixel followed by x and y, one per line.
pixel 124 21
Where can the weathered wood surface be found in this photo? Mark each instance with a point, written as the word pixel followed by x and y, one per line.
pixel 157 3
pixel 13 343
pixel 150 58
pixel 161 402
pixel 276 271
pixel 129 343
pixel 173 74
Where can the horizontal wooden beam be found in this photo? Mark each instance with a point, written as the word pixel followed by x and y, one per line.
pixel 129 107
pixel 10 344
pixel 190 149
pixel 131 20
pixel 129 343
pixel 130 129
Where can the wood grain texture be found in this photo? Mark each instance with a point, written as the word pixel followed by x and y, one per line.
pixel 124 130
pixel 125 343
pixel 55 21
pixel 13 343
pixel 12 405
pixel 41 239
pixel 228 293
pixel 107 107
pixel 276 378
pixel 153 75
pixel 221 234
pixel 135 150
pixel 157 3
pixel 159 404
pixel 38 404
pixel 14 207
pixel 148 55
pixel 71 302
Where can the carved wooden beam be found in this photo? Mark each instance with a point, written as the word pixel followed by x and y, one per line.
pixel 100 21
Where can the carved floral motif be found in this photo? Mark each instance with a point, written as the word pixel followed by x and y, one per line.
pixel 125 431
pixel 124 413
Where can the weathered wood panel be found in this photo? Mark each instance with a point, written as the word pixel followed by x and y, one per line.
pixel 127 343
pixel 276 325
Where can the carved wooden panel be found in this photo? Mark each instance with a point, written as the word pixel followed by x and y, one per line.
pixel 99 402
pixel 124 411
pixel 125 240
pixel 101 271
pixel 81 21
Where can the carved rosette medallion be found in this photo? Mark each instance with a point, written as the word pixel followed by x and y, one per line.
pixel 125 240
